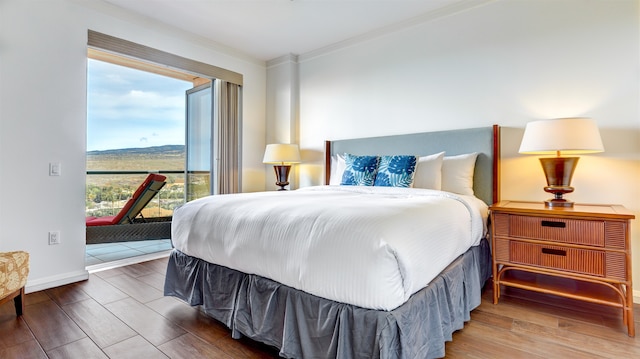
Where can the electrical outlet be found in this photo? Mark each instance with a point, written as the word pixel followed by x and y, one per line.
pixel 54 237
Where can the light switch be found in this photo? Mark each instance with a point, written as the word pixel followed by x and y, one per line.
pixel 54 169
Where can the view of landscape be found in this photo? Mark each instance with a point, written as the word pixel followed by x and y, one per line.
pixel 135 126
pixel 107 193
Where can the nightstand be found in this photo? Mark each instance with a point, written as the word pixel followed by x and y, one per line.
pixel 582 252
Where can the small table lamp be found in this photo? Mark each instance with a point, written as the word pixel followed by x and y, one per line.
pixel 560 136
pixel 282 156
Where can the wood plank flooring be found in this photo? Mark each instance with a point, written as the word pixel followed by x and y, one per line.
pixel 121 313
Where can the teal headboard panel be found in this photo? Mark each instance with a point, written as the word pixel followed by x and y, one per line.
pixel 484 140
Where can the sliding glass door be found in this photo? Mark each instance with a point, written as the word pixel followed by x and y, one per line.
pixel 199 142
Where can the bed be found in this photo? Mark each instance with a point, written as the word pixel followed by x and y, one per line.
pixel 316 281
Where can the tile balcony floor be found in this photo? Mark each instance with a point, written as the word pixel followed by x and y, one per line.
pixel 107 255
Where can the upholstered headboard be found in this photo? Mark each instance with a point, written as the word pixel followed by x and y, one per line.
pixel 485 141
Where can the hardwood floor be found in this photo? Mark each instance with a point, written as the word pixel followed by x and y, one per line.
pixel 121 313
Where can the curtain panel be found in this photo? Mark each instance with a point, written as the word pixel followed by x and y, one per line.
pixel 228 139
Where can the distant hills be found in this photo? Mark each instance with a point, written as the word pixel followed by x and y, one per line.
pixel 164 150
pixel 156 158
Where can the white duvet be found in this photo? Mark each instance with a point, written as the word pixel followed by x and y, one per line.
pixel 368 246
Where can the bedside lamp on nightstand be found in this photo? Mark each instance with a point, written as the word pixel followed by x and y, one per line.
pixel 282 156
pixel 560 136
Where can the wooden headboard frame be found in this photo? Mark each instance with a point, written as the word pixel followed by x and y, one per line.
pixel 484 140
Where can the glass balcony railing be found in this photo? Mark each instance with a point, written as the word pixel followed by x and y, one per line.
pixel 199 184
pixel 108 191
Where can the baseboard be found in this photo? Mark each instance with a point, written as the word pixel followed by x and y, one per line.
pixel 636 296
pixel 55 281
pixel 67 278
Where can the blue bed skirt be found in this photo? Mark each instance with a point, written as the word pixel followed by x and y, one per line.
pixel 302 325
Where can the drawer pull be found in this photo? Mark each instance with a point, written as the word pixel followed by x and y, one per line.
pixel 555 252
pixel 553 224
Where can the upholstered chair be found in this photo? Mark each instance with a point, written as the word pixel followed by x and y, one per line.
pixel 14 270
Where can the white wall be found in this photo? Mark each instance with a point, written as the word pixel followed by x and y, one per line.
pixel 282 110
pixel 43 119
pixel 508 62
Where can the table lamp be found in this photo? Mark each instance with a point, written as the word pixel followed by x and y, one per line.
pixel 282 156
pixel 563 136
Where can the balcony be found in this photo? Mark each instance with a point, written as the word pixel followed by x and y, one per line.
pixel 106 194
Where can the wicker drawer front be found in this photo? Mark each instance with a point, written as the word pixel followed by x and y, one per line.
pixel 558 230
pixel 591 262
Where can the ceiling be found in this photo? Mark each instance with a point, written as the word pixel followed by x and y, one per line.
pixel 267 29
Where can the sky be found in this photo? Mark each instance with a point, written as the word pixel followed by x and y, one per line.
pixel 128 108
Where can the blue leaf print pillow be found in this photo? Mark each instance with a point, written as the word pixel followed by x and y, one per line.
pixel 396 171
pixel 360 170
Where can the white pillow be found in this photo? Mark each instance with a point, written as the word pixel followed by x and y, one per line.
pixel 429 172
pixel 338 166
pixel 457 173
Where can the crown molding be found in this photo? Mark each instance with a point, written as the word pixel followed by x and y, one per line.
pixel 284 59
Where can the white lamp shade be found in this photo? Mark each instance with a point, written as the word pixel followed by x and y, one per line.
pixel 281 154
pixel 565 135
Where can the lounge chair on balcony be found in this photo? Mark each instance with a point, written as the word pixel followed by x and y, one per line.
pixel 141 197
pixel 108 228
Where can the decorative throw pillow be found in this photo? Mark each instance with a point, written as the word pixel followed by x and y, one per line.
pixel 457 173
pixel 396 171
pixel 359 170
pixel 429 172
